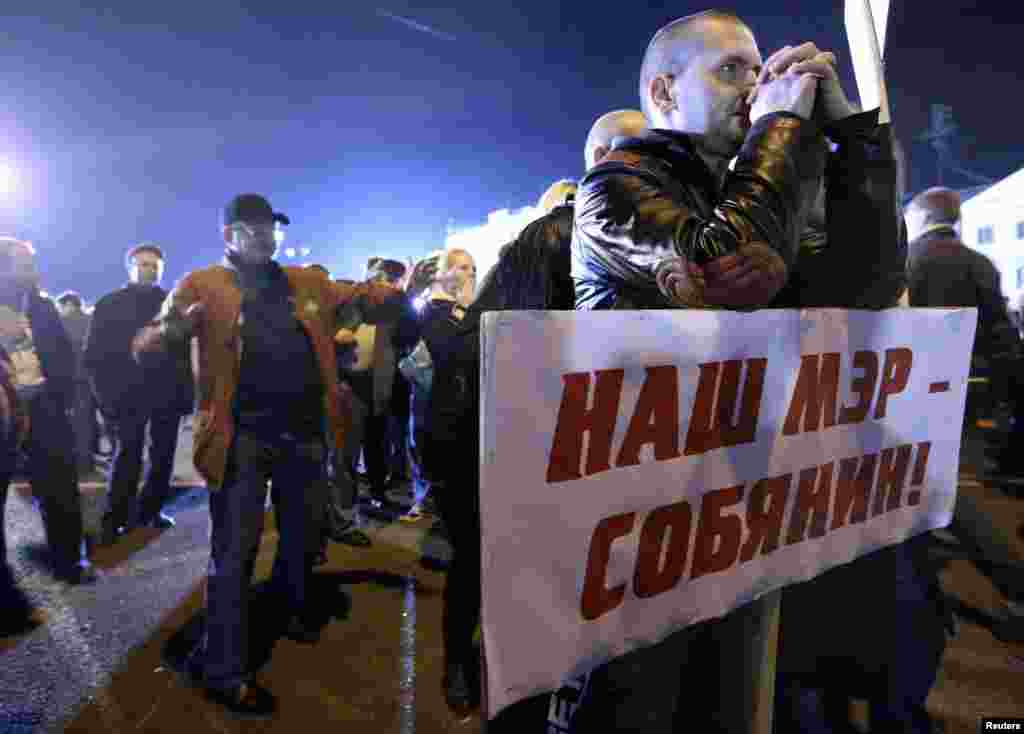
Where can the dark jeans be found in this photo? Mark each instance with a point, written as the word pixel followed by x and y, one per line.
pixel 886 651
pixel 236 514
pixel 369 433
pixel 52 472
pixel 458 502
pixel 128 429
pixel 85 426
pixel 397 446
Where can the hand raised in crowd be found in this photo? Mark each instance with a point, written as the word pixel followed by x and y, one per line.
pixel 747 278
pixel 13 326
pixel 423 274
pixel 809 59
pixel 790 92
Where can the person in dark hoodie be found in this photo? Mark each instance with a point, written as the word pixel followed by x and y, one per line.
pixel 131 397
pixel 45 379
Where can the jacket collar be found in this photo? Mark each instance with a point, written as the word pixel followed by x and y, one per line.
pixel 676 150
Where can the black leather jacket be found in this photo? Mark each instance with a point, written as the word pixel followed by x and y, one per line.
pixel 655 198
pixel 859 259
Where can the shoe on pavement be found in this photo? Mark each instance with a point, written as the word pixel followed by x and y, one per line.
pixel 301 631
pixel 457 692
pixel 77 575
pixel 188 668
pixel 1009 624
pixel 162 521
pixel 415 514
pixel 245 701
pixel 110 534
pixel 354 537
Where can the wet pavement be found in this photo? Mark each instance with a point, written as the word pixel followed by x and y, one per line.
pixel 96 664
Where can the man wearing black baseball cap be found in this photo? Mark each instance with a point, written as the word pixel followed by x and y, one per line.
pixel 269 401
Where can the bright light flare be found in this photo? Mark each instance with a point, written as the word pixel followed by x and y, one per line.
pixel 8 178
pixel 485 240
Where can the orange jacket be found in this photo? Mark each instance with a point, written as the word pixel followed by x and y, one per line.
pixel 217 351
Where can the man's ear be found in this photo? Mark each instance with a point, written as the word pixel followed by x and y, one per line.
pixel 227 235
pixel 600 152
pixel 660 90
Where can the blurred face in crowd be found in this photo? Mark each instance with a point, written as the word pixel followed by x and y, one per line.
pixel 147 268
pixel 18 264
pixel 69 307
pixel 459 278
pixel 255 242
pixel 707 98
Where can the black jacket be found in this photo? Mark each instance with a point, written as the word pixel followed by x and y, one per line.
pixel 532 273
pixel 397 332
pixel 859 261
pixel 439 327
pixel 118 381
pixel 945 273
pixel 534 270
pixel 655 198
pixel 54 349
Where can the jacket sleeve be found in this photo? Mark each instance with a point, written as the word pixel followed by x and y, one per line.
pixel 170 332
pixel 863 264
pixel 628 223
pixel 1002 336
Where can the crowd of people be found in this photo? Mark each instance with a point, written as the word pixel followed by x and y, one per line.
pixel 741 183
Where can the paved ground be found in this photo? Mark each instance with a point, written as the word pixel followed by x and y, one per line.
pixel 95 666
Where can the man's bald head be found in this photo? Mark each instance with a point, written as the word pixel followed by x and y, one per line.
pixel 940 204
pixel 556 194
pixel 932 209
pixel 672 47
pixel 620 123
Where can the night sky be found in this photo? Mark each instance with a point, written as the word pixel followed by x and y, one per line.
pixel 374 127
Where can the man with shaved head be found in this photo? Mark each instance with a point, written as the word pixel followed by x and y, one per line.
pixel 663 222
pixel 617 124
pixel 697 84
pixel 943 272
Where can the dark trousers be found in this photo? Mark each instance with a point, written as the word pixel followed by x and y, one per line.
pixel 458 501
pixel 52 472
pixel 128 429
pixel 369 433
pixel 236 513
pixel 85 426
pixel 397 446
pixel 888 651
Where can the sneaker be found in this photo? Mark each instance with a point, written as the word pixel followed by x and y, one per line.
pixel 77 575
pixel 110 534
pixel 1009 623
pixel 415 514
pixel 299 630
pixel 244 701
pixel 457 692
pixel 162 521
pixel 354 537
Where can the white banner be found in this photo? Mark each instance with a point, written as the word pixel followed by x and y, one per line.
pixel 646 470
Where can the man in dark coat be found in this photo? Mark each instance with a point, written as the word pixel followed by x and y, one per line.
pixel 131 397
pixel 28 318
pixel 76 322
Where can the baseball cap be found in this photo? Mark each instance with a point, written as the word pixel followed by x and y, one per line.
pixel 251 208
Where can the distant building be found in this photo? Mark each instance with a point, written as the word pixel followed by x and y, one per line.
pixel 993 224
